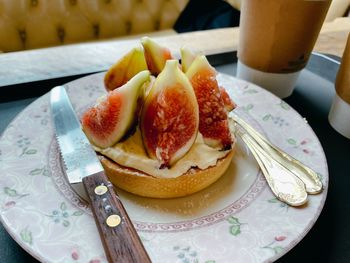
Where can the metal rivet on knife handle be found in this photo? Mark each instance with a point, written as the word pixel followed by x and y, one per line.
pixel 108 209
pixel 113 220
pixel 101 190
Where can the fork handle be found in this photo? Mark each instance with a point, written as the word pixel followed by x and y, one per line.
pixel 118 235
pixel 287 187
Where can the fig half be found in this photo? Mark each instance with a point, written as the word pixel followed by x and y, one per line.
pixel 213 122
pixel 170 117
pixel 187 58
pixel 155 55
pixel 113 116
pixel 125 68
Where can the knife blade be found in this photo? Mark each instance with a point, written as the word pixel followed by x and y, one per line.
pixel 84 171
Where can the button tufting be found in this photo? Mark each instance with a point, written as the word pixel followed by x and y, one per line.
pixel 60 33
pixel 72 21
pixel 96 29
pixel 128 27
pixel 22 35
pixel 34 3
pixel 157 25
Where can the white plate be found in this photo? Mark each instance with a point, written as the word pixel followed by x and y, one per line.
pixel 237 219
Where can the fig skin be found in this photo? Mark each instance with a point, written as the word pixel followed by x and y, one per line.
pixel 213 119
pixel 114 115
pixel 187 57
pixel 125 68
pixel 170 116
pixel 156 55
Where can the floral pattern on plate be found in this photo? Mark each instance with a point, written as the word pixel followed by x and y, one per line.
pixel 235 220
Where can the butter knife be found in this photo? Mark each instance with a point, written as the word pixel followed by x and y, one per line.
pixel 119 238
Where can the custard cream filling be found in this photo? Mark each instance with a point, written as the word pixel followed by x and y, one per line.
pixel 131 153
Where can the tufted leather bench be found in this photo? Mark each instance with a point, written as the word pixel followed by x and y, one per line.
pixel 28 24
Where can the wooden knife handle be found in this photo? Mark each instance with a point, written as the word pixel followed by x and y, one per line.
pixel 119 237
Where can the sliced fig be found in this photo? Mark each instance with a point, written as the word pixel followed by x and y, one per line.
pixel 155 55
pixel 169 119
pixel 228 102
pixel 213 122
pixel 187 57
pixel 124 69
pixel 108 121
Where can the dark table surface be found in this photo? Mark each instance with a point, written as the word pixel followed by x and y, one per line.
pixel 329 239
